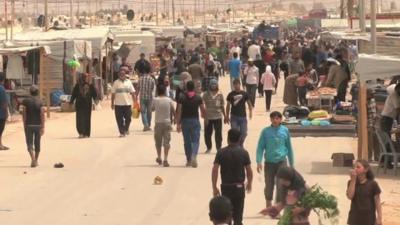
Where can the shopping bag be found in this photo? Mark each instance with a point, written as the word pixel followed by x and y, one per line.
pixel 136 111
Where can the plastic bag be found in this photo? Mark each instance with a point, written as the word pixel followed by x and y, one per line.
pixel 136 111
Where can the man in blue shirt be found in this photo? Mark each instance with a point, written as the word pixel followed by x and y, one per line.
pixel 3 109
pixel 275 147
pixel 234 68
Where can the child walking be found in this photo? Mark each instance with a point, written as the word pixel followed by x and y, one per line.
pixel 364 193
pixel 164 110
pixel 274 147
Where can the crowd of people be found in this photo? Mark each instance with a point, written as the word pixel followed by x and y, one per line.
pixel 187 89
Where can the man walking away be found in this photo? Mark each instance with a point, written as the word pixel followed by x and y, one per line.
pixel 122 98
pixel 33 118
pixel 252 77
pixel 234 67
pixel 235 166
pixel 220 211
pixel 164 108
pixel 236 110
pixel 146 88
pixel 215 111
pixel 3 110
pixel 275 147
pixel 141 64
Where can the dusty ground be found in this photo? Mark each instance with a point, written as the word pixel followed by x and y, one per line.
pixel 108 180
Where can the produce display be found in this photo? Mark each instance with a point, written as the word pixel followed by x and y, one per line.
pixel 323 91
pixel 318 114
pixel 320 201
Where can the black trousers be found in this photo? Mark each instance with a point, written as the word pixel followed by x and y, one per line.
pixel 268 98
pixel 302 91
pixel 123 116
pixel 236 194
pixel 32 137
pixel 83 121
pixel 209 127
pixel 341 91
pixel 270 172
pixel 386 126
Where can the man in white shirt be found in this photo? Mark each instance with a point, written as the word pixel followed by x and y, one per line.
pixel 252 77
pixel 254 50
pixel 235 48
pixel 122 98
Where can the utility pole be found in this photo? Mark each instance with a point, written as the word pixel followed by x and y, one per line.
pixel 204 12
pixel 373 26
pixel 6 16
pixel 173 12
pixel 362 15
pixel 71 13
pixel 46 15
pixel 156 12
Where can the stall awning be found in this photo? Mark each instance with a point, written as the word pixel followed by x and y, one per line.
pixel 344 36
pixel 17 50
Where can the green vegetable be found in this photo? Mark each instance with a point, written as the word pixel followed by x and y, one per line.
pixel 320 201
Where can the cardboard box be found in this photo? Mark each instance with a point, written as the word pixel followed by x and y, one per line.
pixel 342 159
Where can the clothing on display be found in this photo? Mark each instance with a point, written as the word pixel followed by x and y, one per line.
pixel 15 67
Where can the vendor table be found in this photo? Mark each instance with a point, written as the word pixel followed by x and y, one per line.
pixel 334 130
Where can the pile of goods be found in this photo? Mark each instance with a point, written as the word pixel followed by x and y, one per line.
pixel 317 118
pixel 320 201
pixel 322 91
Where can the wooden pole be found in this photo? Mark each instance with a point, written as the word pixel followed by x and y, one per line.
pixel 44 88
pixel 362 152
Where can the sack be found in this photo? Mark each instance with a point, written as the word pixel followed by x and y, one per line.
pixel 136 111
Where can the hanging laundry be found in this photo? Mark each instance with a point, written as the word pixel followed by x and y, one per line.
pixel 15 67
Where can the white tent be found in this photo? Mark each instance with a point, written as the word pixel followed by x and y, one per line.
pixel 146 38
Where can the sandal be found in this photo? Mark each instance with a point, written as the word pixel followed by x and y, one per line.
pixel 165 163
pixel 4 148
pixel 159 161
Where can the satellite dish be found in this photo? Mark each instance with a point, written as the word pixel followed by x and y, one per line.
pixel 130 15
pixel 41 21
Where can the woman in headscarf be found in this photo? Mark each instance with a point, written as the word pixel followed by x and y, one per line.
pixel 268 82
pixel 83 95
pixel 293 187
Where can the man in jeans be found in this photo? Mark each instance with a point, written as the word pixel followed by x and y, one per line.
pixel 187 120
pixel 252 79
pixel 122 98
pixel 3 110
pixel 234 67
pixel 33 118
pixel 235 167
pixel 215 111
pixel 275 147
pixel 236 110
pixel 146 88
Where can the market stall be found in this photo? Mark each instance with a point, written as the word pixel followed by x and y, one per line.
pixel 321 117
pixel 21 91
